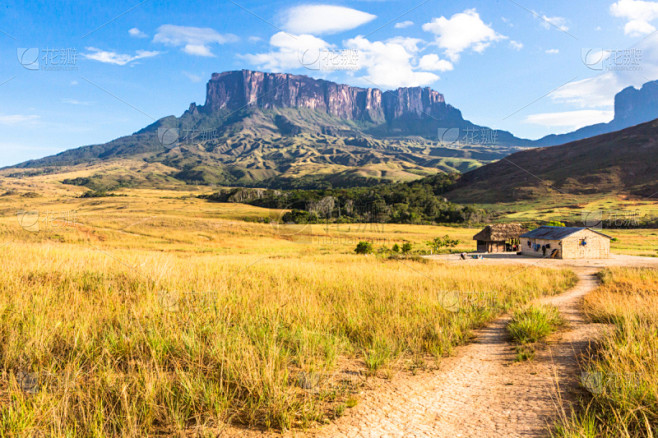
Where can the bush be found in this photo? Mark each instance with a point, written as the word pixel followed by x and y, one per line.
pixel 300 217
pixel 555 224
pixel 96 194
pixel 406 247
pixel 363 248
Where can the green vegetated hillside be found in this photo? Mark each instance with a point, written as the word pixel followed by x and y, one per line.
pixel 249 150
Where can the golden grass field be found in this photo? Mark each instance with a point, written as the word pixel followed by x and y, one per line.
pixel 157 313
pixel 621 372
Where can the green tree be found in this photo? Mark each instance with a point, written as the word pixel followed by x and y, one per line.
pixel 443 242
pixel 406 247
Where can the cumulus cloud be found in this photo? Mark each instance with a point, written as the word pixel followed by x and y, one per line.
pixel 110 57
pixel 389 63
pixel 136 33
pixel 638 14
pixel 194 40
pixel 571 120
pixel 434 63
pixel 395 62
pixel 323 19
pixel 290 52
pixel 462 31
pixel 404 24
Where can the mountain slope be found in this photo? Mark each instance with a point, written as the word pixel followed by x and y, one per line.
pixel 632 107
pixel 268 129
pixel 619 162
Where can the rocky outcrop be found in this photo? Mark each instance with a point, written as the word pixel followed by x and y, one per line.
pixel 237 89
pixel 633 106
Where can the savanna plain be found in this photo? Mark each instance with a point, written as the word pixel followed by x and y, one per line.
pixel 156 313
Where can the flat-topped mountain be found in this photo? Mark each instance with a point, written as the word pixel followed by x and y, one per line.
pixel 632 107
pixel 275 129
pixel 236 89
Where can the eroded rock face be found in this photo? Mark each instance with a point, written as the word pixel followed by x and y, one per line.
pixel 236 89
pixel 634 106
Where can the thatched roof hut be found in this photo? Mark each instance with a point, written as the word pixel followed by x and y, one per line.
pixel 498 237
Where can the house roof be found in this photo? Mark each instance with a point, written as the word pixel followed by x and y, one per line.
pixel 499 232
pixel 556 233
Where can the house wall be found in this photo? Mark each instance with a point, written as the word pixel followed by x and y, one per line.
pixel 530 250
pixel 491 247
pixel 598 247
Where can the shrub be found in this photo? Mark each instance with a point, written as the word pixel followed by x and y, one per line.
pixel 363 248
pixel 406 247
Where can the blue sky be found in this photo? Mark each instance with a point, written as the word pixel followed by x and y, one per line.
pixel 74 73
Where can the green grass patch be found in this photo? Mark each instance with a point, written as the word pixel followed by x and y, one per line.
pixel 532 325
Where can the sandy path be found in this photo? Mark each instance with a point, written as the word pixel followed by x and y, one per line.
pixel 481 392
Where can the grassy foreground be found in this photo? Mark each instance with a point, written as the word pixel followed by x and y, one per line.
pixel 171 317
pixel 622 372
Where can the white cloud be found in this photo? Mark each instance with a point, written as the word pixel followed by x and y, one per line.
pixel 254 39
pixel 516 45
pixel 194 40
pixel 192 77
pixel 553 51
pixel 433 63
pixel 638 28
pixel 464 30
pixel 638 14
pixel 323 19
pixel 136 33
pixel 556 22
pixel 76 102
pixel 599 91
pixel 392 63
pixel 570 119
pixel 109 57
pixel 389 63
pixel 291 52
pixel 404 24
pixel 17 119
pixel 589 93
